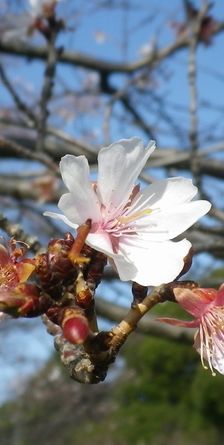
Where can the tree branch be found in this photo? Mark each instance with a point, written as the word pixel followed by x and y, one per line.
pixel 22 49
pixel 147 325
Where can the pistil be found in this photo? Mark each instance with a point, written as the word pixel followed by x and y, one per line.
pixel 134 216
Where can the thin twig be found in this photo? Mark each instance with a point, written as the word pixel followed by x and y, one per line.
pixel 195 26
pixel 193 131
pixel 16 231
pixel 138 310
pixel 147 325
pixel 24 152
pixel 47 89
pixel 18 101
pixel 21 49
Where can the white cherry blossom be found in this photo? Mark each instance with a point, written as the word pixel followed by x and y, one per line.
pixel 133 228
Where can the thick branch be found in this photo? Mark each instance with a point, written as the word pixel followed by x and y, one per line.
pixel 147 325
pixel 22 152
pixel 77 59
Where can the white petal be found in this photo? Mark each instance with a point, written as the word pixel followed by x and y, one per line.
pixel 183 216
pixel 102 242
pixel 74 171
pixel 61 218
pixel 83 200
pixel 167 224
pixel 165 194
pixel 77 209
pixel 218 359
pixel 125 269
pixel 119 167
pixel 156 263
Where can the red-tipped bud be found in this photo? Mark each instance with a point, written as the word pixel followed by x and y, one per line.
pixel 21 301
pixel 76 329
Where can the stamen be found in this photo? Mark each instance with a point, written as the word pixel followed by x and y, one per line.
pixel 207 346
pixel 7 274
pixel 134 216
pixel 202 346
pixel 138 203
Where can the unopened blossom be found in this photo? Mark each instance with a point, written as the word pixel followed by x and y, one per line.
pixel 207 308
pixel 133 228
pixel 42 8
pixel 22 25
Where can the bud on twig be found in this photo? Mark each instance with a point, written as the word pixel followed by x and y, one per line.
pixel 54 267
pixel 75 326
pixel 24 300
pixel 76 330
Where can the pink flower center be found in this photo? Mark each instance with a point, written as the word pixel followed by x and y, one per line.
pixel 123 223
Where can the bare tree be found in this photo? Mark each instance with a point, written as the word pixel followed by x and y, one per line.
pixel 59 96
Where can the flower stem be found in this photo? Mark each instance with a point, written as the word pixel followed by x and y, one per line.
pixel 129 323
pixel 159 294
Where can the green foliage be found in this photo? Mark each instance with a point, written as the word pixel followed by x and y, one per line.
pixel 217 273
pixel 163 396
pixel 169 393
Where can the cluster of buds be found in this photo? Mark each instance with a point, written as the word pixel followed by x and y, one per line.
pixel 54 269
pixel 207 25
pixel 59 283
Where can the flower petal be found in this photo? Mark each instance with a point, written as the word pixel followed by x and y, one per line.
pixel 213 353
pixel 61 218
pixel 196 302
pixel 119 167
pixel 220 296
pixel 83 201
pixel 125 269
pixel 24 270
pixel 176 322
pixel 165 194
pixel 165 225
pixel 179 219
pixel 218 359
pixel 101 241
pixel 168 212
pixel 78 209
pixel 156 263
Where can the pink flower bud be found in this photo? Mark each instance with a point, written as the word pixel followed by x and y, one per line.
pixel 76 329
